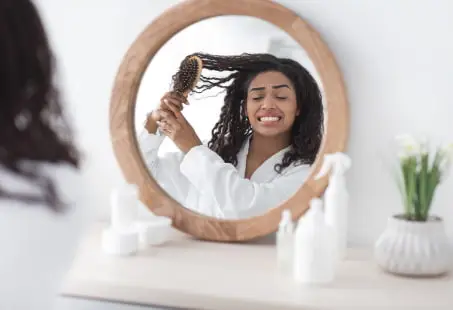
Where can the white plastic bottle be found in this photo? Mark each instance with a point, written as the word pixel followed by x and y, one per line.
pixel 336 199
pixel 124 206
pixel 285 242
pixel 314 247
pixel 121 237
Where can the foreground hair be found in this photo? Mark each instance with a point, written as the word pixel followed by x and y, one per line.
pixel 33 129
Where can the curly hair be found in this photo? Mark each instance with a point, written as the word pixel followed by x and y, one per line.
pixel 33 129
pixel 233 128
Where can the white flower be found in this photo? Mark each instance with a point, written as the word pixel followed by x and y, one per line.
pixel 448 151
pixel 409 146
pixel 407 140
pixel 447 156
pixel 424 146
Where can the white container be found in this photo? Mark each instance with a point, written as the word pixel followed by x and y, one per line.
pixel 285 242
pixel 155 231
pixel 124 207
pixel 120 242
pixel 336 199
pixel 314 262
pixel 414 248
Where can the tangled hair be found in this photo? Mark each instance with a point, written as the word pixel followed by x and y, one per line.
pixel 233 128
pixel 33 129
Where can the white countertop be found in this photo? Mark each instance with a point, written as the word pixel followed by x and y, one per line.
pixel 202 275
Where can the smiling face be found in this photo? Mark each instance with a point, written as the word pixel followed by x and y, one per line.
pixel 271 104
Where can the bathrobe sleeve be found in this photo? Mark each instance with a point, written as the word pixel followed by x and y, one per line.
pixel 163 168
pixel 236 196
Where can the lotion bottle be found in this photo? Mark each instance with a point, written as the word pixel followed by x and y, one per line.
pixel 314 247
pixel 336 199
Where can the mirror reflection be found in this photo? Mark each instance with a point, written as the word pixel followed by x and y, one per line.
pixel 229 117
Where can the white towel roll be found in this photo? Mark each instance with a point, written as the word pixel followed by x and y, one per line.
pixel 120 242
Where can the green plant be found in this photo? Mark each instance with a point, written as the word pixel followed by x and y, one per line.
pixel 420 173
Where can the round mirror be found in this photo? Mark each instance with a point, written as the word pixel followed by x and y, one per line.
pixel 279 112
pixel 246 141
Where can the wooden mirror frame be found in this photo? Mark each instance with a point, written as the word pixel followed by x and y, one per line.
pixel 122 109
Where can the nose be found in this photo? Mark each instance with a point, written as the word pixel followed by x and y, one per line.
pixel 268 103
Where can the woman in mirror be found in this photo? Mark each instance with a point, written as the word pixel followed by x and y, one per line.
pixel 262 148
pixel 41 208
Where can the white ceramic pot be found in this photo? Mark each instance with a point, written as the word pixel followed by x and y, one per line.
pixel 414 248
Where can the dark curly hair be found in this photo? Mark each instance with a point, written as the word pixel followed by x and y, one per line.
pixel 233 128
pixel 33 129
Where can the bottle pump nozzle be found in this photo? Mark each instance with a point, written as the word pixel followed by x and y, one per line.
pixel 338 162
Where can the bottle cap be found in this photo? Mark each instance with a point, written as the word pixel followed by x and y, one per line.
pixel 286 219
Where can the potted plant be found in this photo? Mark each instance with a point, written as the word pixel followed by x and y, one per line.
pixel 415 242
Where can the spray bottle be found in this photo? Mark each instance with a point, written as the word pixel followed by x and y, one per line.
pixel 336 198
pixel 285 242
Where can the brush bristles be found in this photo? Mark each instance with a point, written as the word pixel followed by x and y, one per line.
pixel 188 75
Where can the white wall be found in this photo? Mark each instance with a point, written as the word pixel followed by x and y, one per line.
pixel 396 57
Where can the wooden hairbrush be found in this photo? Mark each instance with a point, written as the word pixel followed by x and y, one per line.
pixel 188 75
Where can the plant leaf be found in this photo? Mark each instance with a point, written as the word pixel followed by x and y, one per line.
pixel 423 186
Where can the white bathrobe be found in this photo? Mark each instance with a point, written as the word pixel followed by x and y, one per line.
pixel 201 181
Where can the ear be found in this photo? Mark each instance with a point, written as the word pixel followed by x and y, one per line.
pixel 297 112
pixel 244 107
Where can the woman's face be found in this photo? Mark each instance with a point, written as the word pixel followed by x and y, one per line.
pixel 271 104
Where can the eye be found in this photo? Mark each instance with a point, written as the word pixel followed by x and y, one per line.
pixel 257 98
pixel 281 98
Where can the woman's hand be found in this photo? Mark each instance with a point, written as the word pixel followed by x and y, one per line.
pixel 175 126
pixel 172 102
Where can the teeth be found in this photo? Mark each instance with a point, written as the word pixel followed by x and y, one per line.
pixel 269 119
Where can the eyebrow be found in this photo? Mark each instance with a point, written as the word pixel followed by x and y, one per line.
pixel 274 87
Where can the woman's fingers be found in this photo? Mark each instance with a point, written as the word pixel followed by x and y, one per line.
pixel 179 97
pixel 167 115
pixel 175 98
pixel 173 102
pixel 169 103
pixel 173 105
pixel 167 126
pixel 164 126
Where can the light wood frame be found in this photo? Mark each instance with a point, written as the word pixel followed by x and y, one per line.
pixel 122 109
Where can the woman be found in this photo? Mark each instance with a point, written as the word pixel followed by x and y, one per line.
pixel 268 135
pixel 41 215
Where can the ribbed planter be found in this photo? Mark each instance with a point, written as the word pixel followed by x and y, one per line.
pixel 414 248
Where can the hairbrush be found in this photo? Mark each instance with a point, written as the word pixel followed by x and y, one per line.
pixel 188 75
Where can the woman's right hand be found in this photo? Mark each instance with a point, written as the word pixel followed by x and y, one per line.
pixel 170 102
